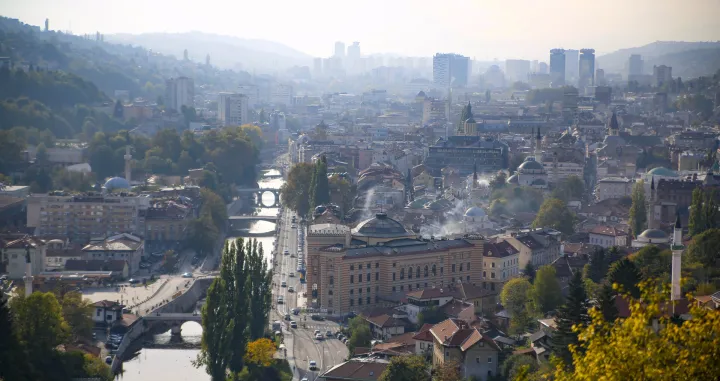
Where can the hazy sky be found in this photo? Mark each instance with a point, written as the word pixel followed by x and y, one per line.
pixel 484 29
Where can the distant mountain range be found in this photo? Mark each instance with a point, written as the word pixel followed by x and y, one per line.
pixel 688 59
pixel 225 51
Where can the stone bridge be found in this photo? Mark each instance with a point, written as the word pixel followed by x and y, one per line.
pixel 173 321
pixel 258 192
pixel 253 218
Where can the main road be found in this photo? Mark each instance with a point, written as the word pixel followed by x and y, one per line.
pixel 305 348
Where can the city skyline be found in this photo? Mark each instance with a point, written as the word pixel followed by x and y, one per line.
pixel 497 32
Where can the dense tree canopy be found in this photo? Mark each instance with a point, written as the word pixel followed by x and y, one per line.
pixel 296 191
pixel 406 368
pixel 546 289
pixel 555 214
pixel 638 214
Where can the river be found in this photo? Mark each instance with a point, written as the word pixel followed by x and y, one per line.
pixel 176 364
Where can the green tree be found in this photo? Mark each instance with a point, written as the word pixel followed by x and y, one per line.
pixel 202 234
pixel 546 289
pixel 598 265
pixel 696 222
pixel 631 349
pixel 340 186
pixel 13 359
pixel 215 207
pixel 447 371
pixel 499 181
pixel 704 248
pixel 40 323
pixel 529 272
pixel 321 191
pixel 555 214
pixel 512 365
pixel 570 189
pixel 431 315
pixel 653 262
pixel 360 335
pixel 573 313
pixel 217 332
pixel 234 272
pixel 295 193
pixel 119 110
pixel 606 302
pixel 626 275
pixel 516 296
pixel 406 368
pixel 41 155
pixel 10 151
pixel 77 312
pixel 259 289
pixel 638 214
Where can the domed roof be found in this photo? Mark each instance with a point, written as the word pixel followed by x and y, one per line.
pixel 421 94
pixel 380 226
pixel 475 211
pixel 663 172
pixel 654 234
pixel 117 183
pixel 530 163
pixel 513 179
pixel 54 241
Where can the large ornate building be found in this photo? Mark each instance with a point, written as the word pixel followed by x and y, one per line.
pixel 379 261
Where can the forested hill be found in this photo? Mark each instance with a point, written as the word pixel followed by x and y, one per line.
pixel 109 66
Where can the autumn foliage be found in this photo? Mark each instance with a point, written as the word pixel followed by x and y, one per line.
pixel 260 352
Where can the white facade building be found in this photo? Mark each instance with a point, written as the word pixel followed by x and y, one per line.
pixel 252 92
pixel 613 187
pixel 282 94
pixel 232 109
pixel 179 92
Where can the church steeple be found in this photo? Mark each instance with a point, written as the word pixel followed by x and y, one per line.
pixel 613 127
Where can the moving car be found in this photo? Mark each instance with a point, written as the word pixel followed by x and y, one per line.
pixel 286 252
pixel 187 275
pixel 291 289
pixel 296 311
pixel 319 337
pixel 133 281
pixel 293 226
pixel 283 284
pixel 329 334
pixel 280 300
pixel 287 317
pixel 313 365
pixel 291 275
pixel 293 324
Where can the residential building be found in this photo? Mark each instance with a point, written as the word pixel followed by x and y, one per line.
pixel 58 253
pixel 167 222
pixel 613 187
pixel 232 109
pixel 662 75
pixel 339 49
pixel 693 140
pixel 434 110
pixel 379 260
pixel 179 92
pixel 500 263
pixel 282 95
pixel 608 236
pixel 385 323
pixel 126 247
pixel 456 340
pixel 424 340
pixel 107 312
pixel 450 70
pixel 15 250
pixel 84 216
pixel 557 67
pixel 536 246
pixel 586 75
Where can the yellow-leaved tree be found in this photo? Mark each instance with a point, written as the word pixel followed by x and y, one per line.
pixel 649 344
pixel 260 353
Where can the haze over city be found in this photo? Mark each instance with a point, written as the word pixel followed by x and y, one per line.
pixel 359 191
pixel 483 30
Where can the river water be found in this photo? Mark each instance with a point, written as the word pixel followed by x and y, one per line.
pixel 176 364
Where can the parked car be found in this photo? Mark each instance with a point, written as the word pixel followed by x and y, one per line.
pixel 187 275
pixel 329 334
pixel 133 281
pixel 293 324
pixel 317 317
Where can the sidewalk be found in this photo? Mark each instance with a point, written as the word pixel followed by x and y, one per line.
pixel 288 340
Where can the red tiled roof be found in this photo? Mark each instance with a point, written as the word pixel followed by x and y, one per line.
pixel 499 249
pixel 458 333
pixel 107 304
pixel 424 333
pixel 608 231
pixel 681 307
pixel 432 293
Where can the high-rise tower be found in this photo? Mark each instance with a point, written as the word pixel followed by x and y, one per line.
pixel 677 250
pixel 557 67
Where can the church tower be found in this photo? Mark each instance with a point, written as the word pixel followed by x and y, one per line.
pixel 677 250
pixel 28 272
pixel 613 126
